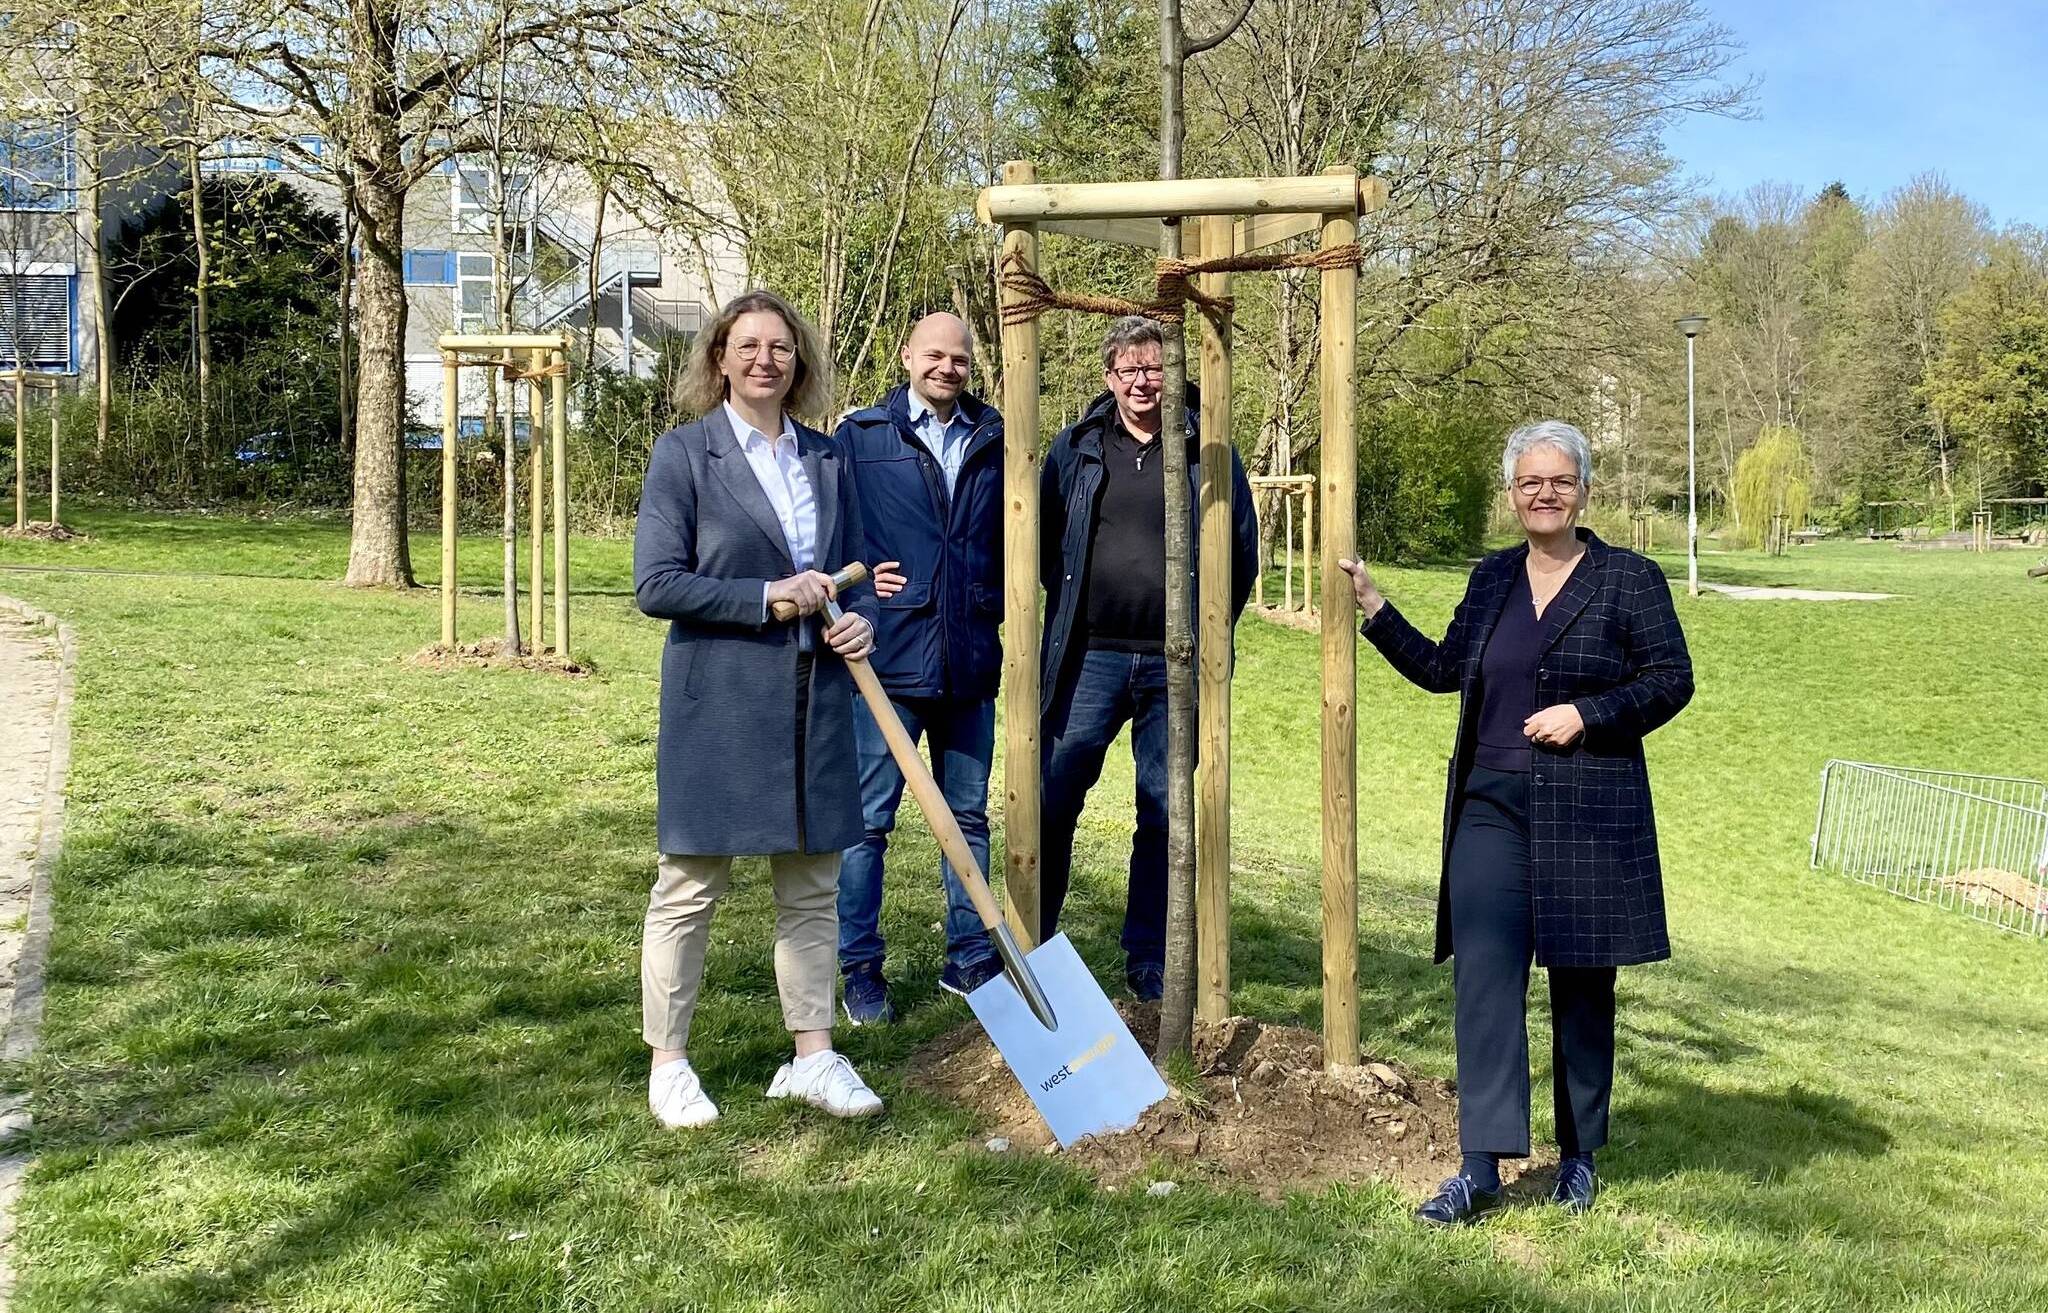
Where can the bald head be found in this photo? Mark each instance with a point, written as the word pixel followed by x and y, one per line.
pixel 938 357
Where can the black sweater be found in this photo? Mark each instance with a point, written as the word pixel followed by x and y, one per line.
pixel 1126 593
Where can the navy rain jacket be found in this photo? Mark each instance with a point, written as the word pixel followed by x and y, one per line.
pixel 937 638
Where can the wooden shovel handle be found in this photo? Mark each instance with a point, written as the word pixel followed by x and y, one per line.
pixel 929 799
pixel 844 578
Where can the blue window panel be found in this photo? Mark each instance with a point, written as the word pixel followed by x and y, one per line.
pixel 38 168
pixel 39 311
pixel 429 268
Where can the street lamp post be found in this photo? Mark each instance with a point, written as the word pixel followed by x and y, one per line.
pixel 1691 326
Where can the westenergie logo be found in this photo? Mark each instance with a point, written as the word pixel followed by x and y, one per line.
pixel 1090 1054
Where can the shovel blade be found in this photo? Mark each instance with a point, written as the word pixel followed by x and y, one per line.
pixel 1087 1076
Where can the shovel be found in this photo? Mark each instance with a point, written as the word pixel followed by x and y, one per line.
pixel 1048 1060
pixel 937 814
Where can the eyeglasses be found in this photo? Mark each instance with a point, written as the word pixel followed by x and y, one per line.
pixel 1565 485
pixel 1132 373
pixel 779 352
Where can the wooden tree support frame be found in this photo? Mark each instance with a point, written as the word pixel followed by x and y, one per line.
pixel 1237 216
pixel 537 358
pixel 23 381
pixel 1297 496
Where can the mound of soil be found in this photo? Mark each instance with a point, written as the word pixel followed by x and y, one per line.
pixel 45 532
pixel 490 654
pixel 1306 621
pixel 1265 1116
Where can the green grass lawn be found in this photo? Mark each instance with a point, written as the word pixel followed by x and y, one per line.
pixel 343 1007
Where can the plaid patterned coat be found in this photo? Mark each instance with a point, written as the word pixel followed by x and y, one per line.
pixel 1615 651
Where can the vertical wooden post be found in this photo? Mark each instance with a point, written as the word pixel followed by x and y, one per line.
pixel 1340 648
pixel 1021 783
pixel 537 507
pixel 56 433
pixel 20 451
pixel 1287 525
pixel 451 406
pixel 1308 546
pixel 558 389
pixel 1212 699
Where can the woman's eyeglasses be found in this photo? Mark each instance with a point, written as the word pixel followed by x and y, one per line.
pixel 1565 485
pixel 779 352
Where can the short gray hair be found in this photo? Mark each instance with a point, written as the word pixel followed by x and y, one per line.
pixel 1128 334
pixel 1547 433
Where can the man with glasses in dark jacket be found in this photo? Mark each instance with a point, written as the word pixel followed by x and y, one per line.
pixel 928 471
pixel 1102 545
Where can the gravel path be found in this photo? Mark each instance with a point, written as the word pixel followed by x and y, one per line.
pixel 1750 592
pixel 34 733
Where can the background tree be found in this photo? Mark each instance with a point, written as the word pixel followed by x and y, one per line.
pixel 375 95
pixel 1773 486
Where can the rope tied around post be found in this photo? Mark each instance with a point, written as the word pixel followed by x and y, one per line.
pixel 1174 286
pixel 518 373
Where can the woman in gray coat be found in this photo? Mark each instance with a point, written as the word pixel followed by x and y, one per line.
pixel 744 508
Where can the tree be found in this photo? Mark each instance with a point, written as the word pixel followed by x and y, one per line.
pixel 375 95
pixel 1177 1006
pixel 1990 384
pixel 1773 486
pixel 1927 242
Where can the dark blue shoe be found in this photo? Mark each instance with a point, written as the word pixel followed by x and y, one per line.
pixel 965 980
pixel 1147 981
pixel 1576 1186
pixel 867 996
pixel 1456 1203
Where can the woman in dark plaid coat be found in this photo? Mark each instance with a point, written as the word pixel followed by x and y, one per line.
pixel 1565 652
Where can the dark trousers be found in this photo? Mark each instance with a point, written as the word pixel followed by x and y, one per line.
pixel 962 734
pixel 1110 690
pixel 1492 935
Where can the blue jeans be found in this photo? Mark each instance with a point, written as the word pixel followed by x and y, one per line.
pixel 962 734
pixel 1110 690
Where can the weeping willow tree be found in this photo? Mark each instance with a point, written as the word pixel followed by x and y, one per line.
pixel 1773 487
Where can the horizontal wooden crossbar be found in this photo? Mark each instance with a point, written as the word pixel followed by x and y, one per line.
pixel 503 342
pixel 1332 193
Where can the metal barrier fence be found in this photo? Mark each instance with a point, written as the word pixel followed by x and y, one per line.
pixel 1976 844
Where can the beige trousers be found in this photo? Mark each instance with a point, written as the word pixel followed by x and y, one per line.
pixel 678 930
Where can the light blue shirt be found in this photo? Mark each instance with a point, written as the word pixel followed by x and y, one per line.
pixel 780 471
pixel 946 440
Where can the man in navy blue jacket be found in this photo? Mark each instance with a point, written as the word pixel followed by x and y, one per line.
pixel 1102 548
pixel 928 471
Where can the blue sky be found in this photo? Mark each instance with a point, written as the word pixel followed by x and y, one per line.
pixel 1877 91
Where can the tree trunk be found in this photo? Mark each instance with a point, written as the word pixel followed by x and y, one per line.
pixel 604 196
pixel 202 335
pixel 344 373
pixel 1177 1007
pixel 378 552
pixel 93 156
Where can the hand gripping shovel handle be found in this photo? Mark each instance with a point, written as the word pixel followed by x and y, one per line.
pixel 846 577
pixel 947 830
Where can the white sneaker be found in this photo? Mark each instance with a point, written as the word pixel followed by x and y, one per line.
pixel 826 1080
pixel 676 1097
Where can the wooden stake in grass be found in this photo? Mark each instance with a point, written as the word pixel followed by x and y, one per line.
pixel 1339 456
pixel 20 452
pixel 509 533
pixel 558 389
pixel 451 403
pixel 1212 826
pixel 1021 785
pixel 536 516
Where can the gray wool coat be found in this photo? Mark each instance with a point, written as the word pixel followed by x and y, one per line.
pixel 707 541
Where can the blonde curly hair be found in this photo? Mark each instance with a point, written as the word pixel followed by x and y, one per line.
pixel 701 387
